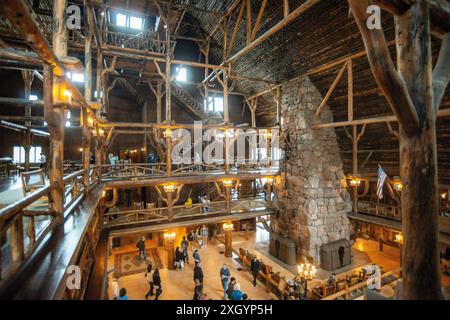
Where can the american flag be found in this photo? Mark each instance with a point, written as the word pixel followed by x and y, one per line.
pixel 381 178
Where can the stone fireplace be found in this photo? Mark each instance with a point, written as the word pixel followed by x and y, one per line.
pixel 313 203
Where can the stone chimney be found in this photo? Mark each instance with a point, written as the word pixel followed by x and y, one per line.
pixel 313 207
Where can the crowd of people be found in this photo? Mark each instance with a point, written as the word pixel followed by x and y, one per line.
pixel 190 244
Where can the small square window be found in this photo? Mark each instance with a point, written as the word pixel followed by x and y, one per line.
pixel 136 23
pixel 32 97
pixel 218 104
pixel 181 74
pixel 121 20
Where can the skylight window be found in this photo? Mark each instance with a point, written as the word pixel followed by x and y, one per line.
pixel 136 23
pixel 121 20
pixel 32 97
pixel 181 74
pixel 76 77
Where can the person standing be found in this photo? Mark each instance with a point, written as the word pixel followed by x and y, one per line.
pixel 42 161
pixel 255 267
pixel 123 294
pixel 149 277
pixel 141 245
pixel 184 249
pixel 157 283
pixel 204 232
pixel 191 239
pixel 178 259
pixel 196 257
pixel 198 273
pixel 231 285
pixel 198 290
pixel 225 278
pixel 237 293
pixel 115 286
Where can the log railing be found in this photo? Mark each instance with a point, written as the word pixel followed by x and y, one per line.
pixel 181 212
pixel 346 293
pixel 25 223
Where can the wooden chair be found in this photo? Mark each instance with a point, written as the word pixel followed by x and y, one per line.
pixel 32 180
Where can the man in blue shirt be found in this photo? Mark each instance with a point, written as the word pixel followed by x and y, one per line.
pixel 225 278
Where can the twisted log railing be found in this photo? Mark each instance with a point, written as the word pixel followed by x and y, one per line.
pixel 28 221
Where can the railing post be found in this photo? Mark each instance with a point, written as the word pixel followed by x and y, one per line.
pixel 56 120
pixel 86 148
pixel 17 245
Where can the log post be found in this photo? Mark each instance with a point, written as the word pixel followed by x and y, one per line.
pixel 60 33
pixel 226 114
pixel 229 243
pixel 54 116
pixel 17 245
pixel 28 81
pixel 414 92
pixel 86 147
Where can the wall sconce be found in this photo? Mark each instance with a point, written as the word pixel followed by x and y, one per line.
pixel 167 133
pixel 227 183
pixel 443 195
pixel 355 182
pixel 398 186
pixel 101 132
pixel 170 236
pixel 169 188
pixel 90 122
pixel 399 238
pixel 104 194
pixel 268 134
pixel 269 180
pixel 228 226
pixel 81 149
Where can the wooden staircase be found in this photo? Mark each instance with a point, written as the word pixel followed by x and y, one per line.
pixel 193 105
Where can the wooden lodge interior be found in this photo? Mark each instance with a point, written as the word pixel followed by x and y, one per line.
pixel 329 96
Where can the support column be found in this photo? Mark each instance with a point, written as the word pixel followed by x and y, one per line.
pixel 60 33
pixel 228 229
pixel 170 252
pixel 170 206
pixel 168 74
pixel 54 116
pixel 226 114
pixel 28 80
pixel 355 167
pixel 168 135
pixel 86 147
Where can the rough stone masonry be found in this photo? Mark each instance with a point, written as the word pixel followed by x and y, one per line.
pixel 313 208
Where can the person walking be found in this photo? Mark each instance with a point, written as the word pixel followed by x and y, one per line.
pixel 149 277
pixel 184 250
pixel 198 290
pixel 231 285
pixel 198 273
pixel 179 259
pixel 196 257
pixel 141 245
pixel 157 283
pixel 237 293
pixel 225 278
pixel 255 267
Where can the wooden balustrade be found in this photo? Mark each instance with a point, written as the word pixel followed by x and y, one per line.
pixel 15 216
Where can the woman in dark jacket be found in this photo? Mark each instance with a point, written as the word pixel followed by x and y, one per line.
pixel 231 285
pixel 157 283
pixel 198 273
pixel 179 257
pixel 198 290
pixel 255 268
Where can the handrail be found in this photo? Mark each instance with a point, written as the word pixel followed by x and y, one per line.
pixel 347 291
pixel 14 208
